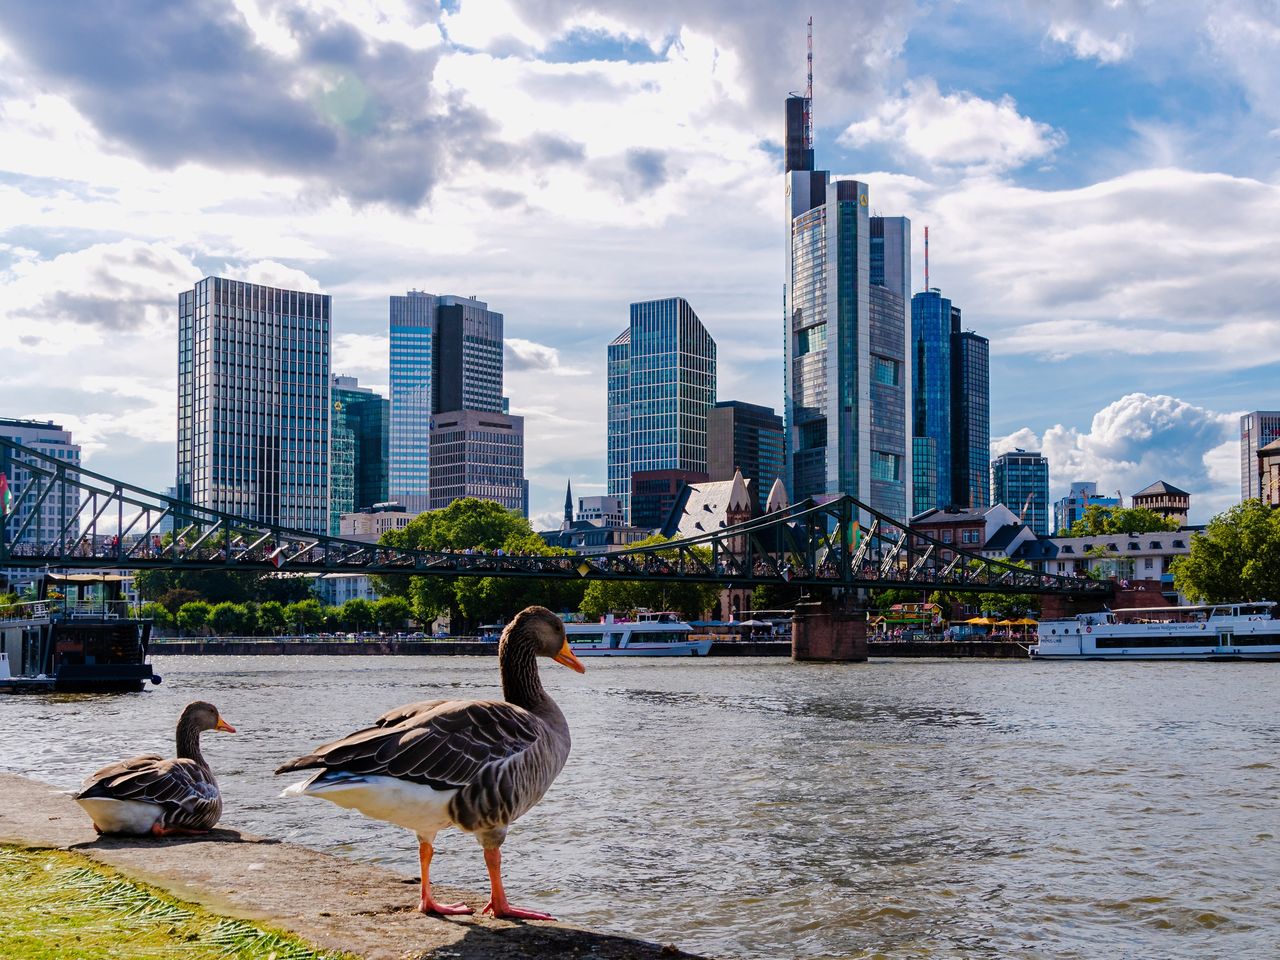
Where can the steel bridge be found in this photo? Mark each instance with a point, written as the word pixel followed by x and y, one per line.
pixel 105 524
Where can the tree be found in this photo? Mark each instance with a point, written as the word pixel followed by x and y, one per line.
pixel 227 618
pixel 157 613
pixel 271 618
pixel 306 616
pixel 690 598
pixel 487 527
pixel 391 612
pixel 358 614
pixel 193 617
pixel 174 600
pixel 1099 520
pixel 1237 557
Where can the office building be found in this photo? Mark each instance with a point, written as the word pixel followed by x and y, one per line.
pixel 1257 429
pixel 370 523
pixel 1269 473
pixel 446 364
pixel 478 453
pixel 847 382
pixel 662 386
pixel 1020 481
pixel 41 521
pixel 601 511
pixel 746 437
pixel 1082 495
pixel 253 402
pixel 951 405
pixel 654 492
pixel 358 446
pixel 1166 500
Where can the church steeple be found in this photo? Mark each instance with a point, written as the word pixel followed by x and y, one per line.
pixel 568 505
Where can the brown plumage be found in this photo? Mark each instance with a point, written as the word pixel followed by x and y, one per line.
pixel 474 764
pixel 150 794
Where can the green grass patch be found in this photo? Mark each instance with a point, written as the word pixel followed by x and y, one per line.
pixel 59 905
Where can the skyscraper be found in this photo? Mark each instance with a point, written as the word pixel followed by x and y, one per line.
pixel 951 405
pixel 847 381
pixel 253 402
pixel 747 437
pixel 446 363
pixel 1257 429
pixel 412 338
pixel 662 385
pixel 45 519
pixel 1020 480
pixel 358 443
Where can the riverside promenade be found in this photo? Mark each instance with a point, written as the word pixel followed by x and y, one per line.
pixel 335 904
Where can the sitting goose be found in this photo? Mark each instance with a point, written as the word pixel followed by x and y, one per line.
pixel 153 795
pixel 473 764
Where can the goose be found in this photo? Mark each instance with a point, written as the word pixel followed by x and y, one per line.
pixel 150 794
pixel 473 764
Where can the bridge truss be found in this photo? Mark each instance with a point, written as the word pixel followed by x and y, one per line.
pixel 101 523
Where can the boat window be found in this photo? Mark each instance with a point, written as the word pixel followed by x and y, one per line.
pixel 586 637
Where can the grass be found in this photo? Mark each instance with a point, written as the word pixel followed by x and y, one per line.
pixel 60 905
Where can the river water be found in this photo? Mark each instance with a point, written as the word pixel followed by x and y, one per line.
pixel 765 809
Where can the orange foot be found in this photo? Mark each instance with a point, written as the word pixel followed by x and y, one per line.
pixel 158 830
pixel 444 909
pixel 505 911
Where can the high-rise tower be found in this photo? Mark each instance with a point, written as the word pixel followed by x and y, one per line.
pixel 847 383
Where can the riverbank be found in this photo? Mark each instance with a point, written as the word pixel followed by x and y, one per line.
pixel 339 906
pixel 947 649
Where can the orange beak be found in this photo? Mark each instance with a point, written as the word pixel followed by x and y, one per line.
pixel 566 657
pixel 224 726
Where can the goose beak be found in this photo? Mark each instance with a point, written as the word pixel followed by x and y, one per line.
pixel 224 726
pixel 566 657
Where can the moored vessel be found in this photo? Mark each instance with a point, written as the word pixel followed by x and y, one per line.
pixel 1218 631
pixel 652 635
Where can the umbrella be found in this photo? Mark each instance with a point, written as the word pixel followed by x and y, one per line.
pixel 1027 622
pixel 1006 623
pixel 981 621
pixel 753 623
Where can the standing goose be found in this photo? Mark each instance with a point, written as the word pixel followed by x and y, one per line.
pixel 472 764
pixel 150 794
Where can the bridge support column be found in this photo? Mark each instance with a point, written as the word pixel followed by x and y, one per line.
pixel 824 631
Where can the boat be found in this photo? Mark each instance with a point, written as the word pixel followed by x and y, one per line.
pixel 651 635
pixel 1216 631
pixel 74 644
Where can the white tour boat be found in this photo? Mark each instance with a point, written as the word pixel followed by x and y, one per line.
pixel 1215 631
pixel 654 635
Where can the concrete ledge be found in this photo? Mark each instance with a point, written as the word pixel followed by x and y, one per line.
pixel 335 904
pixel 978 649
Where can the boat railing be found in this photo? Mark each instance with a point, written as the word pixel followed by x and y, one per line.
pixel 61 609
pixel 26 610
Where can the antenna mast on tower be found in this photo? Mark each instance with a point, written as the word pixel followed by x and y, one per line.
pixel 808 95
pixel 926 259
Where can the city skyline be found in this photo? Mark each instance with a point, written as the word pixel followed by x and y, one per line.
pixel 1120 361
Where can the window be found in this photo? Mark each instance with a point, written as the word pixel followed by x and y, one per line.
pixel 885 466
pixel 946 536
pixel 885 371
pixel 1149 563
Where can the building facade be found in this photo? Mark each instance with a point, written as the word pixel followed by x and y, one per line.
pixel 970 416
pixel 1165 499
pixel 1257 429
pixel 43 521
pixel 662 386
pixel 1082 495
pixel 1268 468
pixel 370 523
pixel 654 492
pixel 601 511
pixel 478 453
pixel 358 447
pixel 253 402
pixel 847 381
pixel 412 343
pixel 1020 481
pixel 747 437
pixel 446 363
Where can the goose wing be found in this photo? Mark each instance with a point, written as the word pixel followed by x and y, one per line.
pixel 444 744
pixel 177 785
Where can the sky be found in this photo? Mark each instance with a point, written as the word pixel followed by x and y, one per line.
pixel 1101 182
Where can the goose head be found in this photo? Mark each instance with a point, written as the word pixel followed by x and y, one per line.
pixel 200 715
pixel 541 631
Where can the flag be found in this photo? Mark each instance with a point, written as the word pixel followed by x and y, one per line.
pixel 6 495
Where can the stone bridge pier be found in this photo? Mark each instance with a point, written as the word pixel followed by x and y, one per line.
pixel 828 631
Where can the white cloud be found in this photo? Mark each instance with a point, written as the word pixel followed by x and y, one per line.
pixel 527 355
pixel 1138 440
pixel 270 273
pixel 1089 45
pixel 956 130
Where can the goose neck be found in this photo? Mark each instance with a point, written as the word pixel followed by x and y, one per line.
pixel 521 684
pixel 189 741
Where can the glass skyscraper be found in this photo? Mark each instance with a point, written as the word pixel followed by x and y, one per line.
pixel 358 444
pixel 662 385
pixel 58 509
pixel 446 357
pixel 1020 480
pixel 1257 429
pixel 253 402
pixel 847 380
pixel 951 406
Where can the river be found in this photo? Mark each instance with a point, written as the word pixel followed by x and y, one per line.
pixel 765 809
